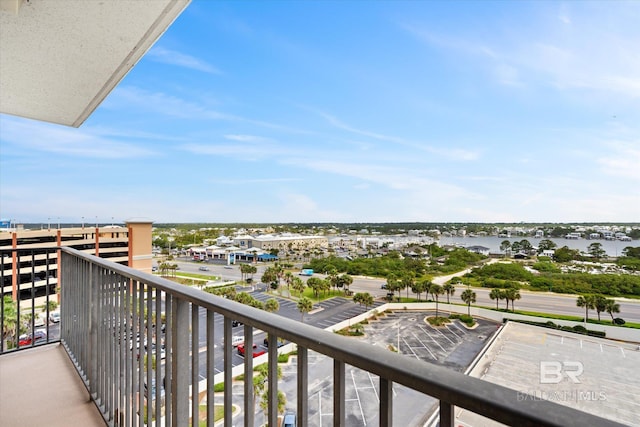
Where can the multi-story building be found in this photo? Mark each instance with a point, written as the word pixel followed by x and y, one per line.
pixel 28 269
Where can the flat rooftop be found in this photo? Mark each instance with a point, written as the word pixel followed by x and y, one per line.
pixel 594 375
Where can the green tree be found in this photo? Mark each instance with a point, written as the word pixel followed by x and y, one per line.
pixel 588 302
pixel 525 246
pixel 469 297
pixel 270 277
pixel 10 320
pixel 449 290
pixel 344 280
pixel 394 285
pixel 546 245
pixel 418 288
pixel 271 305
pixel 564 254
pixel 505 247
pixel 599 304
pixel 611 306
pixel 305 305
pixel 495 294
pixel 436 291
pixel 407 282
pixel 363 298
pixel 512 294
pixel 298 285
pixel 316 284
pixel 596 251
pixel 288 279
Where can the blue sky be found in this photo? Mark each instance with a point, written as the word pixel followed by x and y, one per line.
pixel 364 111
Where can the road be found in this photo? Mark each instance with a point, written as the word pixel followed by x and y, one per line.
pixel 545 302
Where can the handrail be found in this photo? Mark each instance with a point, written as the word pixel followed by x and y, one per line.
pixel 481 397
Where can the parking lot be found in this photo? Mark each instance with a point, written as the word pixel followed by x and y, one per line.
pixel 453 346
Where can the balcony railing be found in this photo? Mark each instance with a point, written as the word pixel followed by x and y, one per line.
pixel 125 329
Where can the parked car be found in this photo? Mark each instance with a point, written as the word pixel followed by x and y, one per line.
pixel 266 342
pixel 54 316
pixel 241 351
pixel 40 320
pixel 236 340
pixel 235 323
pixel 289 419
pixel 38 336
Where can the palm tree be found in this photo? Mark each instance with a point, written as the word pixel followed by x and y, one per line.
pixel 10 317
pixel 449 289
pixel 407 282
pixel 298 285
pixel 271 305
pixel 270 277
pixel 586 301
pixel 469 297
pixel 512 294
pixel 305 305
pixel 495 294
pixel 346 281
pixel 418 288
pixel 363 298
pixel 600 304
pixel 288 279
pixel 612 307
pixel 436 291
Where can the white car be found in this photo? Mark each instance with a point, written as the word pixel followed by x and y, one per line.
pixel 40 320
pixel 54 316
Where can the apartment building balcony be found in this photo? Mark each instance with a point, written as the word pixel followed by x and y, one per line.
pixel 115 321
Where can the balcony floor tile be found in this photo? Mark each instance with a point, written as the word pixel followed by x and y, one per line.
pixel 41 387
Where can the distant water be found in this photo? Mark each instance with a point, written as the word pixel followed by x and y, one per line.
pixel 612 247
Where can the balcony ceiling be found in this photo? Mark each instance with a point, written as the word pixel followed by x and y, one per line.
pixel 60 59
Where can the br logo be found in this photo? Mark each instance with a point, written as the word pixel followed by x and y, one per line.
pixel 552 372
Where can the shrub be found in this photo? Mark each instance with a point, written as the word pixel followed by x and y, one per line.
pixel 580 328
pixel 619 321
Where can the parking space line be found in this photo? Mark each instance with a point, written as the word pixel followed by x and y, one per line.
pixel 358 398
pixel 440 332
pixel 462 330
pixel 431 340
pixel 375 390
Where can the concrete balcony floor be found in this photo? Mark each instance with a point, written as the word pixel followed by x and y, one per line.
pixel 41 387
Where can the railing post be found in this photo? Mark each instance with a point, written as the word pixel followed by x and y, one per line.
pixel 447 416
pixel 338 393
pixel 386 402
pixel 210 368
pixel 303 386
pixel 228 375
pixel 90 288
pixel 180 363
pixel 273 379
pixel 248 374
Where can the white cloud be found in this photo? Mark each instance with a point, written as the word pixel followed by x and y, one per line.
pixel 172 57
pixel 624 160
pixel 83 142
